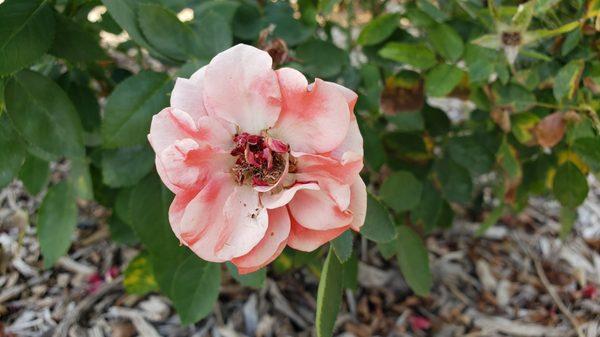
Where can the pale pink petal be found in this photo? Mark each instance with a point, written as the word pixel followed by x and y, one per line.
pixel 316 210
pixel 358 203
pixel 351 149
pixel 307 240
pixel 271 244
pixel 162 173
pixel 186 164
pixel 169 126
pixel 350 96
pixel 177 208
pixel 215 133
pixel 176 170
pixel 223 221
pixel 240 87
pixel 311 121
pixel 187 96
pixel 284 196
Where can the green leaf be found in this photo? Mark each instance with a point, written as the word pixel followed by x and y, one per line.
pixel 329 295
pixel 27 33
pixel 139 276
pixel 588 148
pixel 74 43
pixel 413 261
pixel 42 113
pixel 194 285
pixel 566 81
pixel 432 209
pixel 126 166
pixel 522 19
pixel 125 14
pixel 130 107
pixel 414 54
pixel 378 29
pixel 471 153
pixel 321 59
pixel 83 99
pixel 480 62
pixel 281 15
pixel 401 191
pixel 121 232
pixel 491 41
pixel 163 30
pixel 342 246
pixel 446 41
pixel 570 186
pixel 254 280
pixel 378 226
pixel 12 152
pixel 568 217
pixel 522 125
pixel 455 180
pixel 442 79
pixel 35 174
pixel 149 202
pixel 515 96
pixel 247 22
pixel 213 35
pixel 57 219
pixel 81 179
pixel 507 158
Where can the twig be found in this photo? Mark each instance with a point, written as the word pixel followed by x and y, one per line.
pixel 73 316
pixel 552 292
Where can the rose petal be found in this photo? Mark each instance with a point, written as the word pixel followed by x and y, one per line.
pixel 270 246
pixel 240 87
pixel 351 148
pixel 283 197
pixel 311 121
pixel 350 96
pixel 358 203
pixel 223 221
pixel 316 210
pixel 307 240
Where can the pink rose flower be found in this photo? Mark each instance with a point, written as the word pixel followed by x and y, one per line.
pixel 258 159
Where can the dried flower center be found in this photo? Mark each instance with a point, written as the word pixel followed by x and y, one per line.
pixel 511 38
pixel 261 160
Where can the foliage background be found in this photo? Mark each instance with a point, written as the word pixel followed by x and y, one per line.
pixel 467 108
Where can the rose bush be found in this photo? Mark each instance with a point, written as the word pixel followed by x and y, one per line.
pixel 463 109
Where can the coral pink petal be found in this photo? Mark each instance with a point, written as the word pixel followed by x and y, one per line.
pixel 223 221
pixel 350 96
pixel 307 240
pixel 271 244
pixel 358 203
pixel 316 210
pixel 311 121
pixel 240 87
pixel 283 197
pixel 321 165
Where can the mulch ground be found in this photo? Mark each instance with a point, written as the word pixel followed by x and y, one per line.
pixel 519 279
